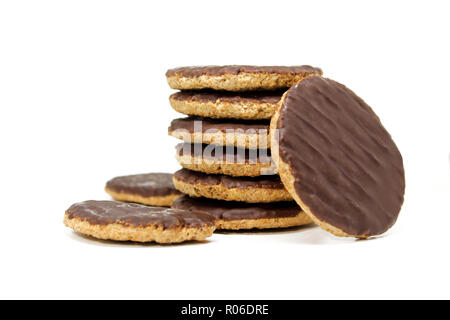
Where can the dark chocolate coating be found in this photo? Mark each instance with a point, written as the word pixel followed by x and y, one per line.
pixel 132 214
pixel 146 185
pixel 204 96
pixel 233 210
pixel 347 169
pixel 197 71
pixel 263 182
pixel 213 125
pixel 224 153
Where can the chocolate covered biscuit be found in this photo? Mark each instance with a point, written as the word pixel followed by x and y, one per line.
pixel 238 77
pixel 336 159
pixel 222 187
pixel 233 215
pixel 112 220
pixel 154 189
pixel 242 134
pixel 254 105
pixel 224 160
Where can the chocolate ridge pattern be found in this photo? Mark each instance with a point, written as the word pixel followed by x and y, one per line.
pixel 337 160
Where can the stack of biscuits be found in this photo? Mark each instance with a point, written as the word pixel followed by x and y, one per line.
pixel 225 154
pixel 328 160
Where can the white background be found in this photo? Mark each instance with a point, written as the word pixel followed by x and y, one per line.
pixel 83 98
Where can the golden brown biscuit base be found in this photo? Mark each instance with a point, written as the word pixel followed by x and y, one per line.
pixel 288 179
pixel 271 223
pixel 244 81
pixel 120 232
pixel 225 109
pixel 240 140
pixel 221 192
pixel 157 201
pixel 222 167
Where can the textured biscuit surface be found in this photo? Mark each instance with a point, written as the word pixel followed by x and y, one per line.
pixel 254 105
pixel 112 220
pixel 238 77
pixel 154 189
pixel 238 215
pixel 247 189
pixel 223 160
pixel 336 159
pixel 238 133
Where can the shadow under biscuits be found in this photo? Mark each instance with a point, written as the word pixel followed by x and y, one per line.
pixel 80 237
pixel 266 231
pixel 318 236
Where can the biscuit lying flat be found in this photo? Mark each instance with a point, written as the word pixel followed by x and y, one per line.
pixel 238 77
pixel 336 159
pixel 215 186
pixel 154 189
pixel 238 133
pixel 239 215
pixel 112 220
pixel 254 105
pixel 223 160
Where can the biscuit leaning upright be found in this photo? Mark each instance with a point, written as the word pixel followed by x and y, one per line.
pixel 336 159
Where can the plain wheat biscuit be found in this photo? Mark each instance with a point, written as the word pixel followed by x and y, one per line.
pixel 260 189
pixel 238 77
pixel 112 220
pixel 231 161
pixel 234 215
pixel 336 159
pixel 255 105
pixel 242 134
pixel 154 189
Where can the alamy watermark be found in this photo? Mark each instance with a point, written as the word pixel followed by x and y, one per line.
pixel 230 146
